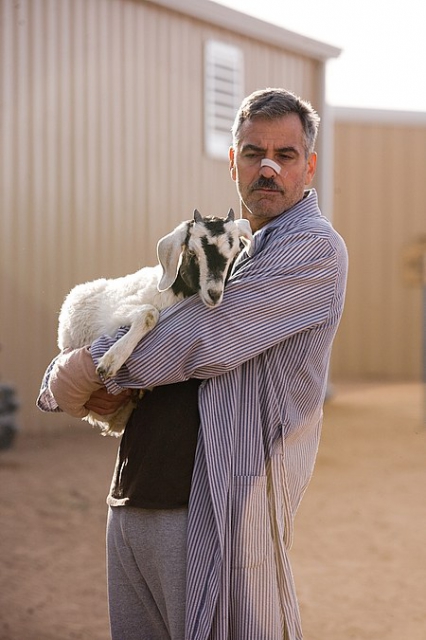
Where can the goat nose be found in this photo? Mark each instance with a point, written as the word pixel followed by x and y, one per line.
pixel 214 295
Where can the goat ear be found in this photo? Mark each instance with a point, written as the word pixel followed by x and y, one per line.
pixel 169 252
pixel 197 216
pixel 244 228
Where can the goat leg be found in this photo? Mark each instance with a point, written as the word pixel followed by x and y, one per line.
pixel 141 322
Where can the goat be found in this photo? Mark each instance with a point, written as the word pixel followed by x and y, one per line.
pixel 194 258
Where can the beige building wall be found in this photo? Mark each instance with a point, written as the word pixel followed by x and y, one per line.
pixel 379 207
pixel 102 150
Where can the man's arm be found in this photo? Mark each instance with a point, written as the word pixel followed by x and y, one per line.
pixel 71 384
pixel 271 298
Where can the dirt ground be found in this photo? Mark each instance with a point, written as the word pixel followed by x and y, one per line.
pixel 359 555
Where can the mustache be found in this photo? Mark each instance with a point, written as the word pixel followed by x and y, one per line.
pixel 265 183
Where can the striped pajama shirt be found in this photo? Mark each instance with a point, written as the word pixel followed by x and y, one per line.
pixel 263 356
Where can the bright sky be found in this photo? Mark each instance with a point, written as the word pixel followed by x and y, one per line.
pixel 383 62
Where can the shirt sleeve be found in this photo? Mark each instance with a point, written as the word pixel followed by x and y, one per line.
pixel 286 287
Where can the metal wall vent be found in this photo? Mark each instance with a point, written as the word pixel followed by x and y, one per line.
pixel 223 95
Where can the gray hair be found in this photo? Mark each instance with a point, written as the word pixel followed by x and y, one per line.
pixel 275 103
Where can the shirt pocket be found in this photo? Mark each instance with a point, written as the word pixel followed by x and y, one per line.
pixel 251 538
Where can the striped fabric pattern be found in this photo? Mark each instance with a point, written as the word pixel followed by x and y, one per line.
pixel 263 356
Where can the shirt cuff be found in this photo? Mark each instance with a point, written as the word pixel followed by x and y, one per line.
pixel 45 401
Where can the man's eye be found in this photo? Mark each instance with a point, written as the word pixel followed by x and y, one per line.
pixel 253 157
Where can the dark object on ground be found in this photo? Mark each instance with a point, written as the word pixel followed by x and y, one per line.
pixel 8 408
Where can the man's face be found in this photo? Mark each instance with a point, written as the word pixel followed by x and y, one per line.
pixel 263 192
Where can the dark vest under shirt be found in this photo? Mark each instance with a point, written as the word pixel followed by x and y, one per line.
pixel 157 450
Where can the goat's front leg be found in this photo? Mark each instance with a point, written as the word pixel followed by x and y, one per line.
pixel 141 321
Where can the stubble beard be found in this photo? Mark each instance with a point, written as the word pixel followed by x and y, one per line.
pixel 262 206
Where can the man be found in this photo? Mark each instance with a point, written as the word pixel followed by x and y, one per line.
pixel 258 365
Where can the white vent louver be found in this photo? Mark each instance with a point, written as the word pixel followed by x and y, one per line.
pixel 223 95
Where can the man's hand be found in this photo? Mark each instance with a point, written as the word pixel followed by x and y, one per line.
pixel 104 403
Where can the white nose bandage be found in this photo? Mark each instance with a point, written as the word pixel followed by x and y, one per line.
pixel 270 163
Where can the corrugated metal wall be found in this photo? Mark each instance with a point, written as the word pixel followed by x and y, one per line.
pixel 380 195
pixel 102 153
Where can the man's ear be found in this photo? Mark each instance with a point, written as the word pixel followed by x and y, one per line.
pixel 312 165
pixel 232 167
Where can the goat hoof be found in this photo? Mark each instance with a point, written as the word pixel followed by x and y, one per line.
pixel 106 369
pixel 151 319
pixel 102 373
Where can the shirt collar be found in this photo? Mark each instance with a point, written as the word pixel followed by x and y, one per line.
pixel 307 207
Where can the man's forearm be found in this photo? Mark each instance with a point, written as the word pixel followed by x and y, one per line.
pixel 72 381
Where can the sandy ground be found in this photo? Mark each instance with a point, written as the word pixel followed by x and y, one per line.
pixel 359 555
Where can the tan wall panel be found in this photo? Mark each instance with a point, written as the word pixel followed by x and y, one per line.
pixel 102 153
pixel 379 208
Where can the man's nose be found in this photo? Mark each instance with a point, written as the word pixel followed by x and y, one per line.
pixel 267 172
pixel 269 168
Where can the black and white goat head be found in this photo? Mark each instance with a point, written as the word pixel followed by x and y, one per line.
pixel 197 256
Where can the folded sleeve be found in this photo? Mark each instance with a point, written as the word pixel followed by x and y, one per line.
pixel 45 400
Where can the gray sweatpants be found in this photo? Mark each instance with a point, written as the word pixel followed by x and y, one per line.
pixel 146 562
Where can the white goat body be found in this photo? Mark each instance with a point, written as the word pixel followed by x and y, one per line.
pixel 194 257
